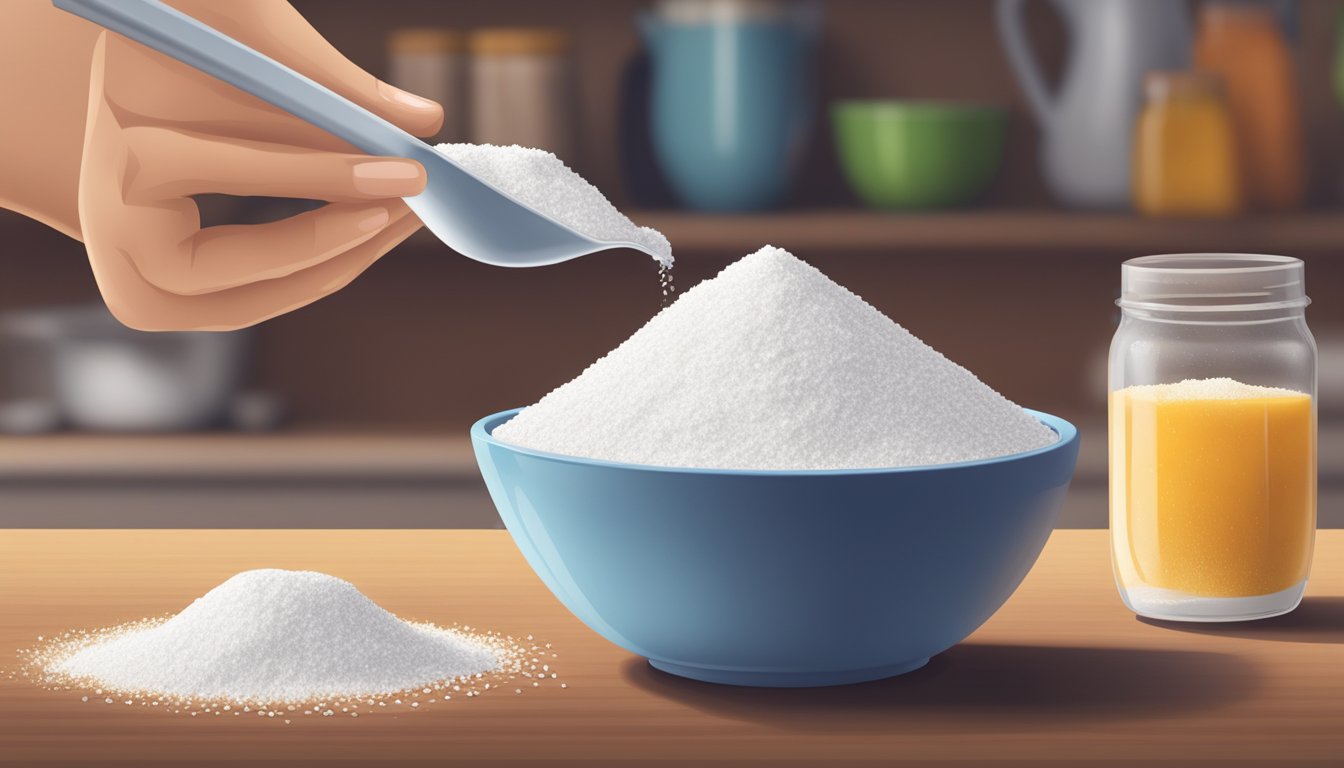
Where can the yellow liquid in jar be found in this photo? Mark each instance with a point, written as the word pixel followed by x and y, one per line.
pixel 1213 487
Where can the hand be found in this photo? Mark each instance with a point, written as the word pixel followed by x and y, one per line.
pixel 158 132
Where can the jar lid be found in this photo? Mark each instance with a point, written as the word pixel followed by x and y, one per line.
pixel 1162 85
pixel 425 40
pixel 1211 282
pixel 519 41
pixel 1238 11
pixel 721 11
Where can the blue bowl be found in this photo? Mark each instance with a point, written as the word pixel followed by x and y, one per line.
pixel 778 578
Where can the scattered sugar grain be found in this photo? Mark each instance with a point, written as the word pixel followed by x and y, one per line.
pixel 773 366
pixel 543 182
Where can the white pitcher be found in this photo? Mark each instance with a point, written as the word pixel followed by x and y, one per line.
pixel 1087 125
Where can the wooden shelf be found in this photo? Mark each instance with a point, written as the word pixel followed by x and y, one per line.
pixel 351 455
pixel 985 230
pixel 994 230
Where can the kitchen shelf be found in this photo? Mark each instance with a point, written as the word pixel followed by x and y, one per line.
pixel 358 454
pixel 985 230
pixel 348 455
pixel 996 230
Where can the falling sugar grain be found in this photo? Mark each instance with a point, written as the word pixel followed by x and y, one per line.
pixel 666 284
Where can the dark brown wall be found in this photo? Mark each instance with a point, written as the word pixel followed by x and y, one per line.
pixel 429 339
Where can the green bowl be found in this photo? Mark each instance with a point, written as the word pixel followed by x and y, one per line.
pixel 910 154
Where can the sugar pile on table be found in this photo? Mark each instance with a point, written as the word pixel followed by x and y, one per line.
pixel 275 635
pixel 542 181
pixel 771 365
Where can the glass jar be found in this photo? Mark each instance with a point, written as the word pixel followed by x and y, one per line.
pixel 522 89
pixel 1242 43
pixel 1212 437
pixel 1185 150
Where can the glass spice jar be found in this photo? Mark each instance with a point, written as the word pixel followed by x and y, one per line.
pixel 1242 43
pixel 522 89
pixel 1185 150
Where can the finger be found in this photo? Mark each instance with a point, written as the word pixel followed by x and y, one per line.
pixel 219 258
pixel 277 30
pixel 119 236
pixel 262 301
pixel 180 164
pixel 140 305
pixel 292 41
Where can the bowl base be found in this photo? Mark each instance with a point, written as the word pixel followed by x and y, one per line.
pixel 770 679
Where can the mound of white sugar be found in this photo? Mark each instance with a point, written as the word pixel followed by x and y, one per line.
pixel 1207 389
pixel 542 181
pixel 273 635
pixel 771 365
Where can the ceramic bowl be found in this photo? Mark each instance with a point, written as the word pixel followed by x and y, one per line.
pixel 900 154
pixel 775 578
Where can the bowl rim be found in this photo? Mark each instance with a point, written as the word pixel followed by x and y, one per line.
pixel 481 432
pixel 918 108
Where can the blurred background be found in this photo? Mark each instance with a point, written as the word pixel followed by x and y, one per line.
pixel 975 169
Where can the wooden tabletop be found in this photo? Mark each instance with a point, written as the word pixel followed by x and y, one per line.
pixel 1062 673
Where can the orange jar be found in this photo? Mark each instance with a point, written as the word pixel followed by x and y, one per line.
pixel 1185 149
pixel 1242 43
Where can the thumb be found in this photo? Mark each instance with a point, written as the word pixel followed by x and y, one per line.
pixel 416 114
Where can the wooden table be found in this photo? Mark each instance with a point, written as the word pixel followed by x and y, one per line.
pixel 1062 673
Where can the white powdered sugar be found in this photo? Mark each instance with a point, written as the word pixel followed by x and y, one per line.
pixel 771 365
pixel 543 182
pixel 274 635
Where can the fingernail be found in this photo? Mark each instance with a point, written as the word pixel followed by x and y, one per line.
pixel 373 221
pixel 387 178
pixel 405 98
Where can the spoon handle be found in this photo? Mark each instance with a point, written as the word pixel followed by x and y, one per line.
pixel 179 36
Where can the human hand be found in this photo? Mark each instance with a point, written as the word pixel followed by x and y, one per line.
pixel 158 132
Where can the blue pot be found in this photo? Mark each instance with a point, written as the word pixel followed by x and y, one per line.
pixel 777 578
pixel 732 102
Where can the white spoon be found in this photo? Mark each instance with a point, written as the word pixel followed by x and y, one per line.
pixel 471 216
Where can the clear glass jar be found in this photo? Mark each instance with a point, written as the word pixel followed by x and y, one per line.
pixel 1212 437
